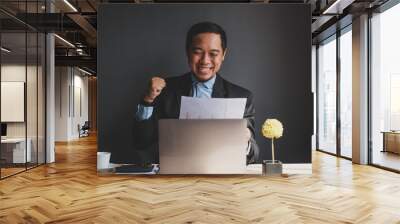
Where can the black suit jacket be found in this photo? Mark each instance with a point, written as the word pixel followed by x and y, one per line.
pixel 168 103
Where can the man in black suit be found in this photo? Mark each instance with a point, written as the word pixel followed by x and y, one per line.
pixel 206 47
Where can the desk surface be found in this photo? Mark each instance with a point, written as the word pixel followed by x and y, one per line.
pixel 390 132
pixel 13 140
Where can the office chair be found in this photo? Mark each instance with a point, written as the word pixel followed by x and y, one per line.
pixel 84 130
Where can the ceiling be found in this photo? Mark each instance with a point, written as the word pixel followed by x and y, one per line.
pixel 76 22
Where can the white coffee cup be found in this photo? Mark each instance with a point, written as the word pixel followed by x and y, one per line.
pixel 103 160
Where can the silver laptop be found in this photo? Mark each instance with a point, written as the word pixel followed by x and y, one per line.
pixel 202 146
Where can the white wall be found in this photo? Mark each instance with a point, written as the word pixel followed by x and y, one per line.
pixel 71 102
pixel 62 81
pixel 16 73
pixel 81 104
pixel 33 127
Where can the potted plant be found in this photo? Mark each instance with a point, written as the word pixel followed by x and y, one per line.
pixel 272 129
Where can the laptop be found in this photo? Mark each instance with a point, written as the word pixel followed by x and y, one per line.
pixel 216 146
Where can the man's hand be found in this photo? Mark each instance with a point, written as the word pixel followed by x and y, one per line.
pixel 248 134
pixel 156 85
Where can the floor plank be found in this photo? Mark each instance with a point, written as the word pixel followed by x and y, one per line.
pixel 70 191
pixel 386 159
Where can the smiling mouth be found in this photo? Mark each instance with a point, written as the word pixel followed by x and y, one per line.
pixel 205 68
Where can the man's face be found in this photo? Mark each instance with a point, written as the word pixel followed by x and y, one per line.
pixel 206 55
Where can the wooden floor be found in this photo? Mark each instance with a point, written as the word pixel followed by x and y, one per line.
pixel 387 159
pixel 5 172
pixel 70 191
pixel 8 171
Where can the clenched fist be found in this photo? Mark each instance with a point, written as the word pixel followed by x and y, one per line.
pixel 156 85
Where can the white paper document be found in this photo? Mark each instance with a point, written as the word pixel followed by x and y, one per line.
pixel 212 108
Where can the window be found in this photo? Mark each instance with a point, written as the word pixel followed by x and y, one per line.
pixel 346 93
pixel 327 96
pixel 385 88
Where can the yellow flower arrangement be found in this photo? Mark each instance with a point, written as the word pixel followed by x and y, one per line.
pixel 272 129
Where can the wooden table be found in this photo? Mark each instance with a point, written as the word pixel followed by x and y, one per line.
pixel 391 141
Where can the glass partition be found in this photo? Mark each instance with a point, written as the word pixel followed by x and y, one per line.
pixel 13 91
pixel 31 100
pixel 41 91
pixel 327 95
pixel 385 88
pixel 33 64
pixel 22 88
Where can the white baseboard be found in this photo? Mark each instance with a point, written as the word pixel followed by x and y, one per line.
pixel 288 168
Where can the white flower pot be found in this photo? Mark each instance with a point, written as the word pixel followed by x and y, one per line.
pixel 103 160
pixel 271 167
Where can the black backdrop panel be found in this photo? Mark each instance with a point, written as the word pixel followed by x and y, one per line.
pixel 269 53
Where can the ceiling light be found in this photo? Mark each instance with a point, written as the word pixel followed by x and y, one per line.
pixel 84 71
pixel 329 9
pixel 5 50
pixel 338 6
pixel 79 51
pixel 64 40
pixel 70 5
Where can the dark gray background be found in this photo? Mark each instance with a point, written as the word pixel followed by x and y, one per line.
pixel 269 53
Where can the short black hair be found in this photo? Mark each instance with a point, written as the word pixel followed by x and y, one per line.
pixel 205 27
